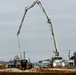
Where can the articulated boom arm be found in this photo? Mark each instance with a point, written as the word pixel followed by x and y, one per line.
pixel 26 9
pixel 48 20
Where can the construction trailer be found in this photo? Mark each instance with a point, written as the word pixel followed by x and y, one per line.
pixel 45 63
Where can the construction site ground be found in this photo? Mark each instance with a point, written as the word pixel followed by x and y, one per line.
pixel 38 71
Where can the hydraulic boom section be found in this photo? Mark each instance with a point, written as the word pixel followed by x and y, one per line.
pixel 48 21
pixel 52 31
pixel 26 9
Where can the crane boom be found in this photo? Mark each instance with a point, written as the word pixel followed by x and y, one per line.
pixel 52 31
pixel 26 9
pixel 48 21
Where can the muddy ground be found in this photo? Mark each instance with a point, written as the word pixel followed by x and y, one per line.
pixel 38 71
pixel 17 73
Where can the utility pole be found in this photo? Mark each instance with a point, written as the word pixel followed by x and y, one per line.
pixel 69 54
pixel 24 54
pixel 29 60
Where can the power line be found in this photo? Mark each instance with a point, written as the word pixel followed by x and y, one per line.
pixel 50 51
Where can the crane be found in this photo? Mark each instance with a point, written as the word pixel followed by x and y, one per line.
pixel 48 21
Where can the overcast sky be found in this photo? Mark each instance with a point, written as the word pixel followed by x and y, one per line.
pixel 35 37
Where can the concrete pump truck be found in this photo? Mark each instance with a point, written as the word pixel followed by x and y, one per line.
pixel 57 61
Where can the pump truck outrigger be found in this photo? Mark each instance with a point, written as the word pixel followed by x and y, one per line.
pixel 56 59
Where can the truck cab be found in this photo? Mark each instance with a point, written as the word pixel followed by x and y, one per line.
pixel 58 62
